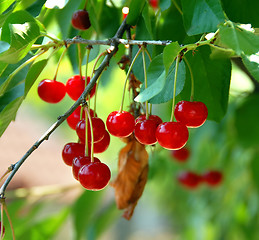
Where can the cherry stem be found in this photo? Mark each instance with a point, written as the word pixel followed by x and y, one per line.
pixel 127 76
pixel 177 7
pixel 59 61
pixel 86 132
pixel 6 173
pixel 86 1
pixel 96 91
pixel 192 78
pixel 9 219
pixel 92 135
pixel 175 80
pixel 150 59
pixel 2 221
pixel 80 60
pixel 145 77
pixel 8 80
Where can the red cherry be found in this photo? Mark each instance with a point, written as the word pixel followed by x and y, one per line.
pixel 74 118
pixel 120 124
pixel 154 3
pixel 181 155
pixel 72 150
pixel 94 176
pixel 79 162
pixel 189 179
pixel 172 135
pixel 76 85
pixel 145 132
pixel 98 129
pixel 191 114
pixel 103 144
pixel 150 117
pixel 80 20
pixel 2 234
pixel 212 178
pixel 51 91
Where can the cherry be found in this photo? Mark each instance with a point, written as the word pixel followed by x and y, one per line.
pixel 2 234
pixel 212 177
pixel 80 20
pixel 94 176
pixel 192 114
pixel 103 144
pixel 120 124
pixel 172 135
pixel 98 129
pixel 189 179
pixel 79 162
pixel 181 155
pixel 51 91
pixel 154 3
pixel 72 150
pixel 74 118
pixel 150 117
pixel 145 132
pixel 76 85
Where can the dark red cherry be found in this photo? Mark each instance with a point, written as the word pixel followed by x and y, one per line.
pixel 172 135
pixel 189 179
pixel 79 162
pixel 2 234
pixel 145 132
pixel 98 129
pixel 191 114
pixel 72 150
pixel 150 117
pixel 103 144
pixel 74 118
pixel 120 124
pixel 76 85
pixel 181 155
pixel 94 176
pixel 80 20
pixel 51 91
pixel 212 178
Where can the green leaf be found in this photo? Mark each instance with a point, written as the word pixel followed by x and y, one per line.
pixel 153 89
pixel 246 121
pixel 201 16
pixel 239 39
pixel 242 12
pixel 164 4
pixel 33 74
pixel 167 92
pixel 84 210
pixel 5 4
pixel 8 114
pixel 11 95
pixel 20 31
pixel 149 20
pixel 135 9
pixel 170 53
pixel 211 82
pixel 252 65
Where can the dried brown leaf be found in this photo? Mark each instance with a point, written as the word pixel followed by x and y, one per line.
pixel 132 175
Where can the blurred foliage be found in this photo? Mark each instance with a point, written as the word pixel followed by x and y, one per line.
pixel 228 141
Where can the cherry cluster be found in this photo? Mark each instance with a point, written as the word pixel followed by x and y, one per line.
pixel 149 130
pixel 192 180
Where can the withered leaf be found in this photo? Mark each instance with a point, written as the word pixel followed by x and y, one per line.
pixel 132 175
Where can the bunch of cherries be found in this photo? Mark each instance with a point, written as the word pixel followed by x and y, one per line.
pixel 149 130
pixel 192 180
pixel 91 173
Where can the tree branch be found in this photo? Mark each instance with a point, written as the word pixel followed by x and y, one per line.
pixel 111 51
